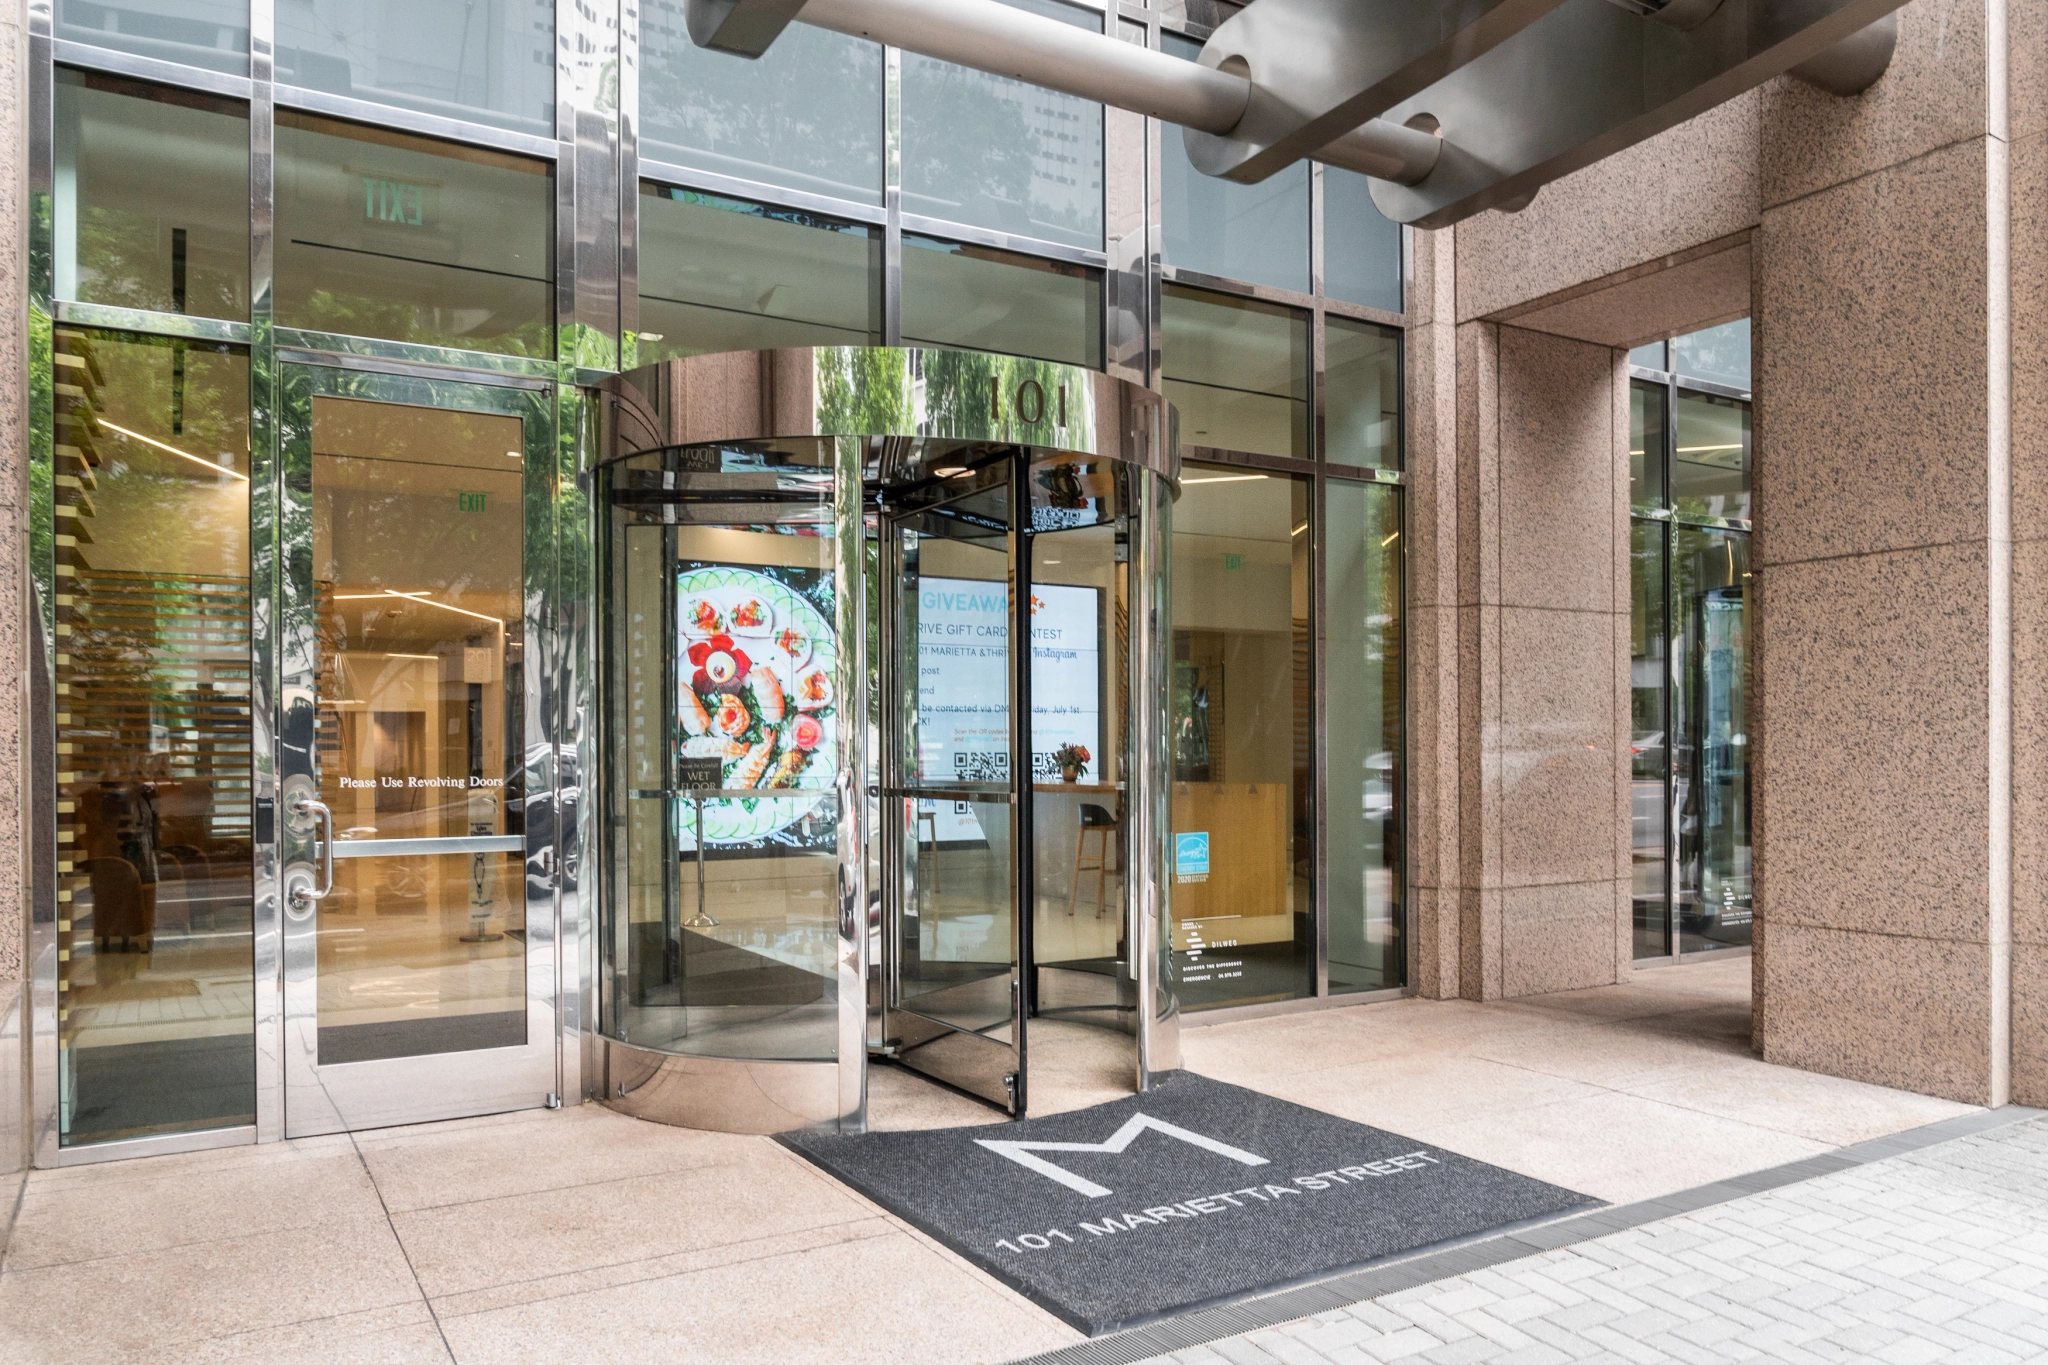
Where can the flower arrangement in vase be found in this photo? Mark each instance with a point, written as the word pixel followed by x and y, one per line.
pixel 1070 758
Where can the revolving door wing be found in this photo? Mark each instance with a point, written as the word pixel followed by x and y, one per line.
pixel 956 750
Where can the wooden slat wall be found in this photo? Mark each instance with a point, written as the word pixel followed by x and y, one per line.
pixel 140 658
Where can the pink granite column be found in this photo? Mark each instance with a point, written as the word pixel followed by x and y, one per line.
pixel 1542 627
pixel 1896 539
pixel 1434 549
pixel 14 220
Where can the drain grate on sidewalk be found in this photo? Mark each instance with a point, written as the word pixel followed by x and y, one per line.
pixel 1193 1194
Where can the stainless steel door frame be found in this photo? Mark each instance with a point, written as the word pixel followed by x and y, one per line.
pixel 364 1094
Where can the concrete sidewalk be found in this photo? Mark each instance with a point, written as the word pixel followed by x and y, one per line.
pixel 582 1234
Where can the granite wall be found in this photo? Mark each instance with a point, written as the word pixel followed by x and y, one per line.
pixel 1893 251
pixel 1885 571
pixel 13 603
pixel 2026 147
pixel 1542 632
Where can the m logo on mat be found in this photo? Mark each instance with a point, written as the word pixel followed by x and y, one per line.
pixel 1021 1152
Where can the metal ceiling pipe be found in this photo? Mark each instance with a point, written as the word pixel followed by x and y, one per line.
pixel 1386 150
pixel 1853 65
pixel 992 37
pixel 1029 47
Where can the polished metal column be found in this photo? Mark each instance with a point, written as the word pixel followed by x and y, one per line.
pixel 264 550
pixel 849 601
pixel 1149 893
pixel 42 902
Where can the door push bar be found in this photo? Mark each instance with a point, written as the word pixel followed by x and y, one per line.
pixel 303 895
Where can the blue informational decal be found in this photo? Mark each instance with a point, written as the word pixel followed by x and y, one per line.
pixel 1191 855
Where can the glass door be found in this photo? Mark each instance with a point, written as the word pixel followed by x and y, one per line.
pixel 419 918
pixel 956 753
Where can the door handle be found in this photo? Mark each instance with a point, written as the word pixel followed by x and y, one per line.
pixel 313 806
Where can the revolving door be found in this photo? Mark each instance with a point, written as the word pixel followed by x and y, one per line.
pixel 883 741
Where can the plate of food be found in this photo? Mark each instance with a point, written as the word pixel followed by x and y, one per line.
pixel 754 690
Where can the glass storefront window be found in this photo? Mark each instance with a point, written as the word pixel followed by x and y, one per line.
pixel 484 61
pixel 806 116
pixel 997 153
pixel 156 1029
pixel 1361 247
pixel 1242 808
pixel 1689 462
pixel 1361 394
pixel 1649 752
pixel 1363 735
pixel 981 299
pixel 1710 460
pixel 1719 355
pixel 1646 444
pixel 1710 769
pixel 151 197
pixel 1257 233
pixel 724 275
pixel 381 234
pixel 210 33
pixel 1238 371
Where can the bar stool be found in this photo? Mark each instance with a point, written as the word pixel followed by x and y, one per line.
pixel 1099 822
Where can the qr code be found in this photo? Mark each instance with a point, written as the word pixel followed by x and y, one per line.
pixel 983 765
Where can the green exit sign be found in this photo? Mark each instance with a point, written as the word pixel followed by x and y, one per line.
pixel 469 502
pixel 1233 561
pixel 394 201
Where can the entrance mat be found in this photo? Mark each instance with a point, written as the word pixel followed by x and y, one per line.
pixel 1191 1194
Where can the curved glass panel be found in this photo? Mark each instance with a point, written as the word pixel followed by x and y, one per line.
pixel 723 663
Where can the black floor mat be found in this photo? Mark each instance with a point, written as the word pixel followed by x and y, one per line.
pixel 1194 1193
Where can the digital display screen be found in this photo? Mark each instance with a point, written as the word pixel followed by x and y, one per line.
pixel 756 668
pixel 963 712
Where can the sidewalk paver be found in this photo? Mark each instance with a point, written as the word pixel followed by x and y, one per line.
pixel 1932 1256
